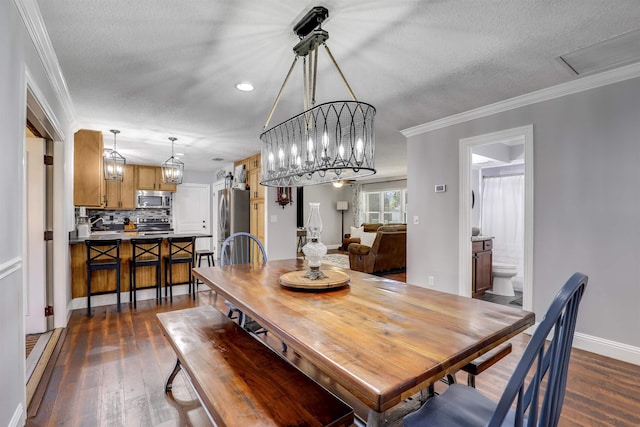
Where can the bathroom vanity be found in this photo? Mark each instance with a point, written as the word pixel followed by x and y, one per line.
pixel 481 260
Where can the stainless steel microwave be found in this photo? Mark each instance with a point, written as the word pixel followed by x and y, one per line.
pixel 153 199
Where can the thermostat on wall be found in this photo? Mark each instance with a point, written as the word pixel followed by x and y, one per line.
pixel 441 188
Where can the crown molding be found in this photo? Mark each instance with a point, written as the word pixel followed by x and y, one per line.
pixel 563 89
pixel 37 31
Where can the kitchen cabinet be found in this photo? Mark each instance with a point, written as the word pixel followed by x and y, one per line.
pixel 150 178
pixel 88 178
pixel 481 273
pixel 252 165
pixel 256 225
pixel 121 195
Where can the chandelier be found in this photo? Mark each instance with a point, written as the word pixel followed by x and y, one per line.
pixel 172 168
pixel 113 162
pixel 326 142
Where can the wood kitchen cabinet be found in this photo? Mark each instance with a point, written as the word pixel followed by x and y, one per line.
pixel 88 178
pixel 481 273
pixel 121 195
pixel 252 165
pixel 256 225
pixel 150 178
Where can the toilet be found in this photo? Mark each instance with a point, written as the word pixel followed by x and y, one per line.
pixel 502 278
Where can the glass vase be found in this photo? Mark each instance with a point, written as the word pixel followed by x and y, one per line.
pixel 314 250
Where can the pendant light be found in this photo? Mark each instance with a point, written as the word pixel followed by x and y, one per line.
pixel 113 162
pixel 326 142
pixel 172 168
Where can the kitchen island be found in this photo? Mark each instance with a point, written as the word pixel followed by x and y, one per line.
pixel 103 281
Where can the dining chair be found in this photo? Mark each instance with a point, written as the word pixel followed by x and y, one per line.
pixel 464 406
pixel 242 248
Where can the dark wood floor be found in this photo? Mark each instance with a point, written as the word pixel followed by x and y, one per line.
pixel 111 368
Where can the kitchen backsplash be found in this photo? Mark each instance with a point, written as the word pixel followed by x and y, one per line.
pixel 135 216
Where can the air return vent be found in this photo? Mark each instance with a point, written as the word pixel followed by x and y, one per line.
pixel 614 52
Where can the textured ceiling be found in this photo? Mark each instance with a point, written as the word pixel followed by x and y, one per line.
pixel 160 68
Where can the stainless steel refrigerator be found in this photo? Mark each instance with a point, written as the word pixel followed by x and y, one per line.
pixel 233 213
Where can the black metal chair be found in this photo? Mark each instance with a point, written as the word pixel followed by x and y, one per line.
pixel 102 254
pixel 181 251
pixel 465 406
pixel 145 253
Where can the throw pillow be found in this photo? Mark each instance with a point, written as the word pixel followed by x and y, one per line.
pixel 357 231
pixel 367 239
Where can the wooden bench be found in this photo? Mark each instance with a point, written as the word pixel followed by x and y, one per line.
pixel 481 363
pixel 239 380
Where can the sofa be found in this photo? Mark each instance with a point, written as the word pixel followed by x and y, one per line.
pixel 387 253
pixel 350 238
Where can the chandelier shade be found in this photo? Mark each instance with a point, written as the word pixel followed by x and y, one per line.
pixel 331 141
pixel 172 168
pixel 326 142
pixel 113 162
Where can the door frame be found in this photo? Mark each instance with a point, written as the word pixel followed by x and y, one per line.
pixel 466 145
pixel 40 114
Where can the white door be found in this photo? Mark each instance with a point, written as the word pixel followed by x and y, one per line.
pixel 192 212
pixel 35 262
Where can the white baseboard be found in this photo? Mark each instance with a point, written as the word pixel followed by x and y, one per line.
pixel 18 417
pixel 142 294
pixel 608 348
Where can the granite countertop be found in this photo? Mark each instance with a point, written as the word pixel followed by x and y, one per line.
pixel 480 238
pixel 126 236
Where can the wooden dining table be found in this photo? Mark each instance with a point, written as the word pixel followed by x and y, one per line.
pixel 376 340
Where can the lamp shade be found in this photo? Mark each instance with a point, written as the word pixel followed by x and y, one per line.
pixel 342 206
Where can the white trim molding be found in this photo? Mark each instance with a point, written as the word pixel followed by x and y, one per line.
pixel 525 134
pixel 608 348
pixel 10 266
pixel 33 22
pixel 568 88
pixel 17 419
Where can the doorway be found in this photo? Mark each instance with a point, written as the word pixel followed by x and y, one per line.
pixel 508 141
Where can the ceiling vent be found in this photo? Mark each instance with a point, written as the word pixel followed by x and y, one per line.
pixel 612 53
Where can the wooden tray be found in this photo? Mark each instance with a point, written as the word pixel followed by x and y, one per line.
pixel 294 279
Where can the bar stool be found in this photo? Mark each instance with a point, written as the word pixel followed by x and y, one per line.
pixel 206 254
pixel 181 251
pixel 145 253
pixel 102 254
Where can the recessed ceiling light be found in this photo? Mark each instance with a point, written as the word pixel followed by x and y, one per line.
pixel 179 154
pixel 245 87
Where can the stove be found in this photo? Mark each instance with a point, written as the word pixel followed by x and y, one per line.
pixel 154 226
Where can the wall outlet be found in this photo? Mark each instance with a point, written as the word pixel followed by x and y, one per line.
pixel 416 220
pixel 274 218
pixel 431 281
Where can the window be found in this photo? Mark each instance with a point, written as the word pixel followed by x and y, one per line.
pixel 385 206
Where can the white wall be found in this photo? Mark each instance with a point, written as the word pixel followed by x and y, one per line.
pixel 586 172
pixel 19 59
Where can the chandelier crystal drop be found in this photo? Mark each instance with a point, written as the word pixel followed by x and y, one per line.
pixel 326 142
pixel 113 163
pixel 172 168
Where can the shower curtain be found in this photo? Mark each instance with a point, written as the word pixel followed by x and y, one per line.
pixel 503 218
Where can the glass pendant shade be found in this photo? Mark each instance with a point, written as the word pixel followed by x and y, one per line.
pixel 114 163
pixel 172 168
